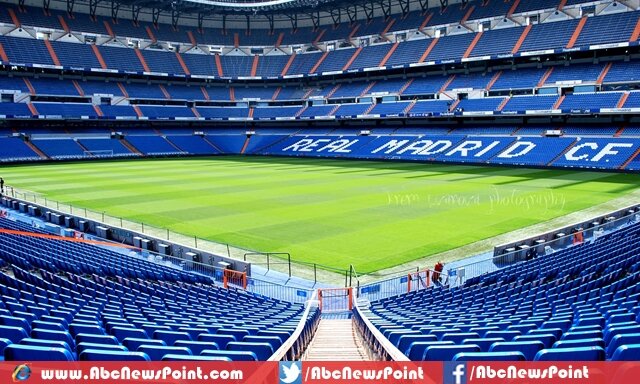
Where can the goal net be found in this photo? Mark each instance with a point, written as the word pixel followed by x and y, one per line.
pixel 103 153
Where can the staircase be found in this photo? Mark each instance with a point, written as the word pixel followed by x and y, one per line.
pixel 335 340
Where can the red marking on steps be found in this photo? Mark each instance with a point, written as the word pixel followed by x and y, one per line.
pixel 559 102
pixel 619 131
pixel 98 110
pixel 504 103
pixel 353 31
pixel 254 65
pixel 232 94
pixel 523 36
pixel 33 109
pixel 475 40
pixel 14 17
pixel 108 28
pixel 246 144
pixel 205 93
pixel 577 31
pixel 142 60
pixel 288 65
pixel 276 93
pixel 426 21
pixel 388 55
pixel 182 64
pixel 138 111
pixel 545 77
pixel 636 32
pixel 150 33
pixel 280 38
pixel 493 80
pixel 428 50
pixel 562 4
pixel 251 112
pixel 447 83
pixel 468 14
pixel 352 59
pixel 623 99
pixel 192 39
pixel 96 52
pixel 319 36
pixel 195 112
pixel 219 65
pixel 123 90
pixel 388 27
pixel 320 60
pixel 626 163
pixel 165 92
pixel 3 54
pixel 63 23
pixel 52 52
pixel 513 8
pixel 32 90
pixel 236 40
pixel 604 72
pixel 78 87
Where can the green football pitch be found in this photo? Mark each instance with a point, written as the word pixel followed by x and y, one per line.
pixel 373 215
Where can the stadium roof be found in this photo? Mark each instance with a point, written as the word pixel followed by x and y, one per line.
pixel 254 7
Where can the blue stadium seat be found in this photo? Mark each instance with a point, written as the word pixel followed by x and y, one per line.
pixel 45 343
pixel 618 340
pixel 98 339
pixel 172 357
pixel 627 352
pixel 416 350
pixel 447 352
pixel 170 337
pixel 507 335
pixel 571 354
pixel 263 351
pixel 489 356
pixel 46 334
pixel 77 328
pixel 108 355
pixel 527 348
pixel 546 339
pixel 220 340
pixel 12 321
pixel 133 343
pixel 483 343
pixel 274 341
pixel 196 347
pixel 405 340
pixel 18 352
pixel 233 355
pixel 156 353
pixel 574 343
pixel 458 338
pixel 14 334
pixel 122 333
pixel 84 346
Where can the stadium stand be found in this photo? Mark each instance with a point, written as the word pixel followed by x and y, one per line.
pixel 543 315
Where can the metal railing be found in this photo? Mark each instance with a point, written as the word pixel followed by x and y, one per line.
pixel 380 348
pixel 293 347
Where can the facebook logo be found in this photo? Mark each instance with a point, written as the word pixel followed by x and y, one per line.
pixel 290 372
pixel 455 373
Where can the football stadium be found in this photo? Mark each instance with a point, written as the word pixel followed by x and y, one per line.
pixel 326 180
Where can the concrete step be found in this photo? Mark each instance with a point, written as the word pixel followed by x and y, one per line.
pixel 336 340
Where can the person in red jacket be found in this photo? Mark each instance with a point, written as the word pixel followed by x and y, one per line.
pixel 437 271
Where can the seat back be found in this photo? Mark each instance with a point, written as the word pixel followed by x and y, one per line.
pixel 458 338
pixel 618 340
pixel 447 352
pixel 547 340
pixel 13 321
pixel 46 334
pixel 221 340
pixel 593 342
pixel 571 354
pixel 133 343
pixel 171 357
pixel 98 339
pixel 489 356
pixel 263 351
pixel 19 352
pixel 84 346
pixel 157 352
pixel 232 355
pixel 197 347
pixel 627 352
pixel 45 343
pixel 13 334
pixel 527 348
pixel 122 333
pixel 170 337
pixel 483 343
pixel 109 355
pixel 415 352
